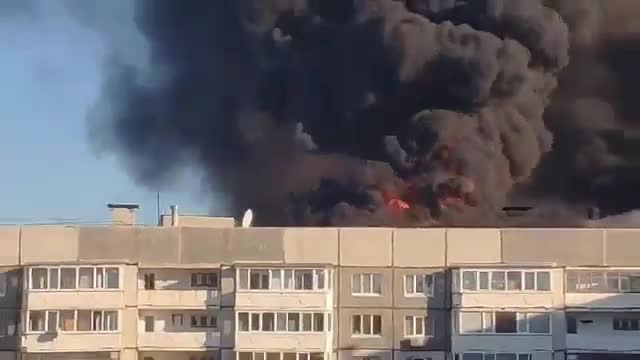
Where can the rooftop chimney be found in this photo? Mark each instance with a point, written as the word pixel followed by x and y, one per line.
pixel 123 214
pixel 174 215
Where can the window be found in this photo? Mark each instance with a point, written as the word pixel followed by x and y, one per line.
pixel 366 284
pixel 417 326
pixel 281 322
pixel 67 320
pixel 110 321
pixel 149 323
pixel 3 284
pixel 602 281
pixel 259 279
pixel 366 325
pixel 84 320
pixel 54 278
pixel 282 279
pixel 177 320
pixel 626 324
pixel 52 321
pixel 39 278
pixel 85 278
pixel 149 281
pixel 504 322
pixel 418 284
pixel 493 356
pixel 113 278
pixel 506 280
pixel 208 280
pixel 572 324
pixel 68 278
pixel 37 321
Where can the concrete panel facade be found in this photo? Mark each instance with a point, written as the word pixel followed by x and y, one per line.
pixel 158 247
pixel 366 247
pixel 48 245
pixel 347 299
pixel 562 247
pixel 440 330
pixel 346 340
pixel 10 245
pixel 419 247
pixel 622 247
pixel 438 299
pixel 311 246
pixel 109 244
pixel 256 245
pixel 473 246
pixel 202 247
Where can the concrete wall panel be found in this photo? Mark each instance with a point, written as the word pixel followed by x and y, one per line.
pixel 159 247
pixel 418 247
pixel 10 245
pixel 440 289
pixel 49 244
pixel 203 246
pixel 622 247
pixel 256 245
pixel 365 247
pixel 564 247
pixel 440 329
pixel 108 244
pixel 347 299
pixel 473 246
pixel 348 341
pixel 311 246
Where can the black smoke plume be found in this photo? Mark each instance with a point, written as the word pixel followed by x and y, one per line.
pixel 364 112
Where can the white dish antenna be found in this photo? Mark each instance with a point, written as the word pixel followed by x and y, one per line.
pixel 247 218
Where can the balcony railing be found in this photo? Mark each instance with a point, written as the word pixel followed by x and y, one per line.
pixel 72 299
pixel 178 299
pixel 188 340
pixel 71 342
pixel 283 341
pixel 283 300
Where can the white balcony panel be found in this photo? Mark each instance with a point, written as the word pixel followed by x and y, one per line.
pixel 271 341
pixel 507 300
pixel 604 301
pixel 603 343
pixel 283 300
pixel 501 343
pixel 178 299
pixel 75 299
pixel 188 340
pixel 70 342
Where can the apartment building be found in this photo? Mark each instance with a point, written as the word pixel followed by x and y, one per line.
pixel 198 288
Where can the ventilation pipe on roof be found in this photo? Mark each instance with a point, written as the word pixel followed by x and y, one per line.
pixel 174 215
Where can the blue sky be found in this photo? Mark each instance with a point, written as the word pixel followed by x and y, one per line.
pixel 51 70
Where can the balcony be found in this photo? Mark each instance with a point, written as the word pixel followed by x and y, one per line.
pixel 283 300
pixel 603 300
pixel 507 300
pixel 502 343
pixel 75 299
pixel 283 341
pixel 178 299
pixel 188 340
pixel 70 342
pixel 603 343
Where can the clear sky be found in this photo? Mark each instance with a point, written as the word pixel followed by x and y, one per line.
pixel 51 70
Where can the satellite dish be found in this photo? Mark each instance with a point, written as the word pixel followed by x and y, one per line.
pixel 247 218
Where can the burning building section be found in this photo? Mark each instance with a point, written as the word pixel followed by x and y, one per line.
pixel 339 112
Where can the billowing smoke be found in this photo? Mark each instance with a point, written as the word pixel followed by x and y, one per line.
pixel 363 112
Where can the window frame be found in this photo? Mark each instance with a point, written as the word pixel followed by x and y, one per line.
pixel 361 280
pixel 619 275
pixel 201 280
pixel 505 280
pixel 492 315
pixel 493 355
pixel 415 319
pixel 423 277
pixel 4 278
pixel 362 328
pixel 300 319
pixel 47 313
pixel 287 278
pixel 58 288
